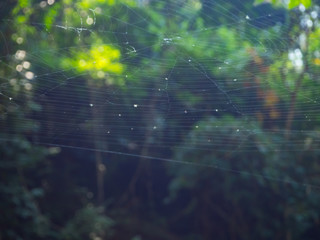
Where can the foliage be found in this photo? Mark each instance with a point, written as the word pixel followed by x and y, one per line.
pixel 291 3
pixel 239 174
pixel 88 222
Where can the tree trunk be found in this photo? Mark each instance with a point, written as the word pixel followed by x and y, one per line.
pixel 98 144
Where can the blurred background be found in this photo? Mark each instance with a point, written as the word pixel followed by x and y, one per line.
pixel 159 119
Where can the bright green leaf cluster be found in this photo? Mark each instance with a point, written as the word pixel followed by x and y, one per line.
pixel 99 59
pixel 295 3
pixel 291 3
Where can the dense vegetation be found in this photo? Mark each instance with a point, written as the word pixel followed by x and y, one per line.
pixel 203 152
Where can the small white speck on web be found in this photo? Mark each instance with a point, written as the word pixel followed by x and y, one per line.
pixel 29 75
pixel 238 130
pixel 154 127
pixel 247 17
pixel 235 80
pixel 120 115
pixel 89 20
pixel 26 64
pixel 197 126
pixel 217 110
pixel 135 105
pixel 43 4
pixel 166 79
pixel 185 111
pixel 50 2
pixel 91 105
pixel 20 54
pixel 19 68
pixel 28 86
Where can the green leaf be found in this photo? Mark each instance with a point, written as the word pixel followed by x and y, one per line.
pixel 306 3
pixel 257 2
pixel 295 3
pixel 291 3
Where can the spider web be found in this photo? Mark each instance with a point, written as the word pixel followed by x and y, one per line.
pixel 203 97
